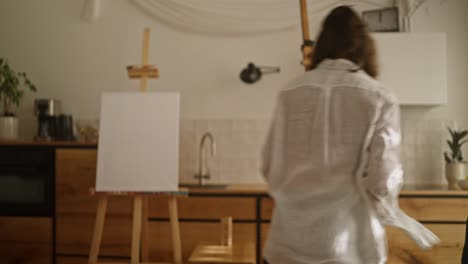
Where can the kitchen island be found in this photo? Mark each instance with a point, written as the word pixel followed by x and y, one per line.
pixel 441 210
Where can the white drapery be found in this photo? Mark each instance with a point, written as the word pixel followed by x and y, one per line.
pixel 240 17
pixel 245 17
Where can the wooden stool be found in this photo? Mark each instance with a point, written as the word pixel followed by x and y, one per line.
pixel 226 252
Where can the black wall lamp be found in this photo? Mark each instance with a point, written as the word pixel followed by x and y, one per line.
pixel 252 73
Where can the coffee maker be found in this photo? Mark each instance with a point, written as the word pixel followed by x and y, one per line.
pixel 46 111
pixel 51 124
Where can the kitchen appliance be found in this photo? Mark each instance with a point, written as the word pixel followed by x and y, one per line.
pixel 46 111
pixel 51 124
pixel 27 181
pixel 64 128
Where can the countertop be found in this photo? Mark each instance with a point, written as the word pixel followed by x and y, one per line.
pixel 261 189
pixel 31 142
pixel 245 189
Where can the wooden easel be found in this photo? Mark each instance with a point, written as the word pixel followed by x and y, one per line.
pixel 140 200
pixel 307 47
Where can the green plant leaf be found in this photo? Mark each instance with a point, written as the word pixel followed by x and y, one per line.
pixel 10 92
pixel 450 144
pixel 451 131
pixel 462 134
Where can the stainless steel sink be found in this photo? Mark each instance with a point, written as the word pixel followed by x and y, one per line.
pixel 205 186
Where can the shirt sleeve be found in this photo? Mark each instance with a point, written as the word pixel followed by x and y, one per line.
pixel 384 173
pixel 385 177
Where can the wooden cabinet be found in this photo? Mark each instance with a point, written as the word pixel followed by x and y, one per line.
pixel 199 222
pixel 75 175
pixel 445 216
pixel 209 208
pixel 267 206
pixel 74 233
pixel 76 208
pixel 403 249
pixel 84 260
pixel 193 233
pixel 435 208
pixel 199 215
pixel 25 240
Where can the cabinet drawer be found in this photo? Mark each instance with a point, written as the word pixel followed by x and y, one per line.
pixel 205 207
pixel 403 250
pixel 74 234
pixel 435 209
pixel 422 209
pixel 84 260
pixel 265 228
pixel 267 208
pixel 75 175
pixel 25 253
pixel 264 235
pixel 26 229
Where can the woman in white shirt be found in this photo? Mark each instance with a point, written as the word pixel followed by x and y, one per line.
pixel 332 160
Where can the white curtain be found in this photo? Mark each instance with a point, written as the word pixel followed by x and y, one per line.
pixel 244 17
pixel 241 17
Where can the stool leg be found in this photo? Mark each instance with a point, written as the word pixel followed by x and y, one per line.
pixel 98 228
pixel 175 231
pixel 226 231
pixel 136 230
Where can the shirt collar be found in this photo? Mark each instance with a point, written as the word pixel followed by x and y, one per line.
pixel 338 64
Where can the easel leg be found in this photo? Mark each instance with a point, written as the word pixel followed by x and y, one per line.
pixel 136 230
pixel 98 228
pixel 175 231
pixel 144 231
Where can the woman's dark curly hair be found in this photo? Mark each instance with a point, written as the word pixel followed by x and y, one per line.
pixel 344 35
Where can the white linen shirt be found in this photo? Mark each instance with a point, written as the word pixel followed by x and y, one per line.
pixel 332 165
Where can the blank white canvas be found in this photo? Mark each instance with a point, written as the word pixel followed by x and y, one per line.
pixel 138 147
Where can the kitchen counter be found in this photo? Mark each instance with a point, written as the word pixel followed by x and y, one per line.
pixel 239 189
pixel 441 210
pixel 261 189
pixel 431 190
pixel 31 142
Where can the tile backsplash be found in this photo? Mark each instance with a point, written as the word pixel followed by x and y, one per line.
pixel 238 146
pixel 239 143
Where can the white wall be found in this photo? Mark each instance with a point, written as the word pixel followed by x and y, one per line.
pixel 447 16
pixel 425 128
pixel 74 61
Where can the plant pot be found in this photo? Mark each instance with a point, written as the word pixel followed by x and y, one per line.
pixel 453 173
pixel 9 127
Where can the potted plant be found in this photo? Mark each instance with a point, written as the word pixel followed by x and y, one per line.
pixel 11 94
pixel 454 163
